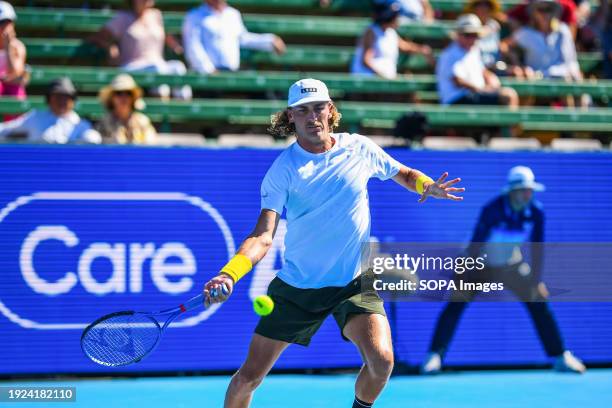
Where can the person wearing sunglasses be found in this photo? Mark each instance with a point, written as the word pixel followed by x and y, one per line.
pixel 123 124
pixel 461 74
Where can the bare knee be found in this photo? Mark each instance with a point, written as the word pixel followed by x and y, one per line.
pixel 381 365
pixel 247 379
pixel 509 97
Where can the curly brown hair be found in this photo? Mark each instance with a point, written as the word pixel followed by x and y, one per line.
pixel 281 128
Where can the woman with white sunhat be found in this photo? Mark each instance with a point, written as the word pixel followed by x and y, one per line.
pixel 123 124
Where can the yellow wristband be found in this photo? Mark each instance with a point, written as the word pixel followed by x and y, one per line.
pixel 422 179
pixel 237 267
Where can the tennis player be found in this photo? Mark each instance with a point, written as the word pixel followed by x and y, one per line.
pixel 321 180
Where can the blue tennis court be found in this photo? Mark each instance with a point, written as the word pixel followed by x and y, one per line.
pixel 537 388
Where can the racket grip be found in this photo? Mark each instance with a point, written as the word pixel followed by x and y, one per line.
pixel 214 293
pixel 198 300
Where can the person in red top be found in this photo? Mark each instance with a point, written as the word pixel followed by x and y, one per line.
pixel 519 15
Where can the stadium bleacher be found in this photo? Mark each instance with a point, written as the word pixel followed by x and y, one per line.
pixel 366 114
pixel 67 53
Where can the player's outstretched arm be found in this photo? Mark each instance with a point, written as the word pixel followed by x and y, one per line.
pixel 419 182
pixel 252 250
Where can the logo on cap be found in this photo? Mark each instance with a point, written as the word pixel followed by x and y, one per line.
pixel 309 90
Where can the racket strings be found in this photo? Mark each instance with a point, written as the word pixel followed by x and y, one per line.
pixel 121 339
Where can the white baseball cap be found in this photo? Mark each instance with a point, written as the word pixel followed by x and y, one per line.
pixel 307 90
pixel 7 12
pixel 522 177
pixel 468 23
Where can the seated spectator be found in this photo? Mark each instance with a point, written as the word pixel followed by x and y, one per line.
pixel 547 44
pixel 13 73
pixel 461 74
pixel 490 14
pixel 411 10
pixel 140 35
pixel 122 124
pixel 213 35
pixel 58 124
pixel 520 15
pixel 378 49
pixel 600 26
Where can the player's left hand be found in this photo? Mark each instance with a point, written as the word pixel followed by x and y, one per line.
pixel 442 189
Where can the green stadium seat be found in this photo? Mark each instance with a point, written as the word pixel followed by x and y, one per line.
pixel 297 56
pixel 281 5
pixel 91 79
pixel 76 20
pixel 368 114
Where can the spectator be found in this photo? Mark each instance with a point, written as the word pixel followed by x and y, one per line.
pixel 213 35
pixel 378 50
pixel 602 26
pixel 520 16
pixel 411 10
pixel 58 124
pixel 140 35
pixel 547 44
pixel 461 75
pixel 122 124
pixel 13 74
pixel 490 14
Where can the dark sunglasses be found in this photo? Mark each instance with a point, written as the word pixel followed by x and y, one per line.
pixel 470 35
pixel 5 22
pixel 122 93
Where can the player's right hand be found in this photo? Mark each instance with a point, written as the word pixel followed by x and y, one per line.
pixel 217 283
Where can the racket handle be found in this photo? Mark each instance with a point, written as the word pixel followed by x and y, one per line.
pixel 214 294
pixel 198 301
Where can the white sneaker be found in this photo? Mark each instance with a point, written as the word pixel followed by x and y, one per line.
pixel 567 362
pixel 432 365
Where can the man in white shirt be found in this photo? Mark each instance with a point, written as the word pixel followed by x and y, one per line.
pixel 461 74
pixel 213 35
pixel 321 181
pixel 58 124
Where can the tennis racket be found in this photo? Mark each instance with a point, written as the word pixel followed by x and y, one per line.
pixel 123 338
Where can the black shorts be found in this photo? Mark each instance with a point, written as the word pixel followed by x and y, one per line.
pixel 479 98
pixel 298 313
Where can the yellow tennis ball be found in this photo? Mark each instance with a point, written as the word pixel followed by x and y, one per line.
pixel 263 305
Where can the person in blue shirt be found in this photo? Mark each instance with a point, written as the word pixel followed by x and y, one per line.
pixel 510 220
pixel 321 182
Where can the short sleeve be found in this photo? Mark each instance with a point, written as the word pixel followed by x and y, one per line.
pixel 521 36
pixel 275 188
pixel 117 25
pixel 382 165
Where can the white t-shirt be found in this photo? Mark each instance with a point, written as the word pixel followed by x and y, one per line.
pixel 328 215
pixel 386 53
pixel 456 61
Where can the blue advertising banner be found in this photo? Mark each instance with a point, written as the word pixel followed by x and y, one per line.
pixel 85 231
